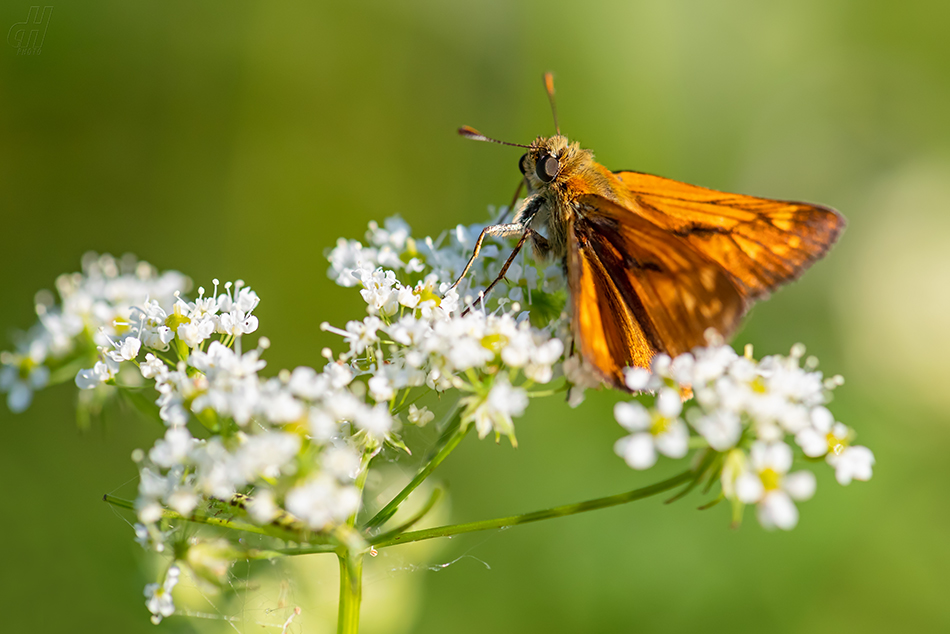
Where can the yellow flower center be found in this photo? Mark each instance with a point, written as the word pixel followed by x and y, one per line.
pixel 176 319
pixel 758 385
pixel 836 445
pixel 660 424
pixel 26 367
pixel 770 479
pixel 426 293
pixel 494 342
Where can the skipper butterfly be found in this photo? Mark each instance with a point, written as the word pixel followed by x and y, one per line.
pixel 652 263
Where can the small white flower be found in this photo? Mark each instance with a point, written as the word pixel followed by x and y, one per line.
pixel 194 333
pixel 322 426
pixel 183 501
pixel 101 372
pixel 339 375
pixel 153 368
pixel 641 379
pixel 721 429
pixel 159 596
pixel 823 435
pixel 656 430
pixel 262 507
pixel 126 350
pixel 322 501
pixel 21 375
pixel 157 338
pixel 267 455
pixel 173 449
pixel 420 417
pixel 407 297
pixel 236 322
pixel 305 383
pixel 853 463
pixel 361 335
pixel 582 376
pixel 494 411
pixel 381 388
pixel 342 462
pixel 767 483
pixel 378 291
pixel 375 421
pixel 141 535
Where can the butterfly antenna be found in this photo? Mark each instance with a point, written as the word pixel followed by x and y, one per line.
pixel 549 87
pixel 471 133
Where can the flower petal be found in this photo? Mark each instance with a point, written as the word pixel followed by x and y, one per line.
pixel 799 485
pixel 637 450
pixel 632 415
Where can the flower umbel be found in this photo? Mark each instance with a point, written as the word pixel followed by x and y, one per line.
pixel 744 412
pixel 287 455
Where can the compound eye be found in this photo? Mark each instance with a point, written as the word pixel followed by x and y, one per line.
pixel 547 168
pixel 522 162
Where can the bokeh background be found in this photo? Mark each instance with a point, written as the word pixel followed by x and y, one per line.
pixel 241 139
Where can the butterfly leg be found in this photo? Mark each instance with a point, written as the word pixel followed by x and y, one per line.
pixel 500 231
pixel 522 221
pixel 528 233
pixel 541 246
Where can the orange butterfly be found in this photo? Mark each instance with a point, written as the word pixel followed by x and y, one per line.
pixel 652 263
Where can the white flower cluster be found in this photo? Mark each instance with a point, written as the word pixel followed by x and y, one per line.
pixel 94 308
pixel 417 335
pixel 261 428
pixel 748 412
pixel 392 248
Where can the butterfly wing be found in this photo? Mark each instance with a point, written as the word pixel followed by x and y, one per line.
pixel 637 290
pixel 761 243
pixel 653 272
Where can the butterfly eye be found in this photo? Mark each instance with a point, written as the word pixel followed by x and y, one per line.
pixel 546 169
pixel 521 163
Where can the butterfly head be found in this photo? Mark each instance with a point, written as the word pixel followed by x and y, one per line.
pixel 551 160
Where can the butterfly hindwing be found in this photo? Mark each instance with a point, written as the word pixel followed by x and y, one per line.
pixel 607 331
pixel 639 290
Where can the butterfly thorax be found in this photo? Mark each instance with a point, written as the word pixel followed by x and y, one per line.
pixel 558 172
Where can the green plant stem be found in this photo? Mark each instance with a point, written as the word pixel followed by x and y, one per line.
pixel 390 509
pixel 211 520
pixel 536 516
pixel 351 590
pixel 402 528
pixel 361 480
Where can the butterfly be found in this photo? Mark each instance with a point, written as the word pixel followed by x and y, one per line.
pixel 652 263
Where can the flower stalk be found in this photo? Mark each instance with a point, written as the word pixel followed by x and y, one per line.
pixel 351 593
pixel 536 516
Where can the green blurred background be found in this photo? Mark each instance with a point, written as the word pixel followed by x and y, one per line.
pixel 241 139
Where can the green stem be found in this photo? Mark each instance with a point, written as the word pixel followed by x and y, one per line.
pixel 351 590
pixel 536 516
pixel 402 528
pixel 276 553
pixel 390 509
pixel 211 520
pixel 361 480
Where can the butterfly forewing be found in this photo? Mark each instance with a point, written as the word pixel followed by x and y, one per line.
pixel 761 243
